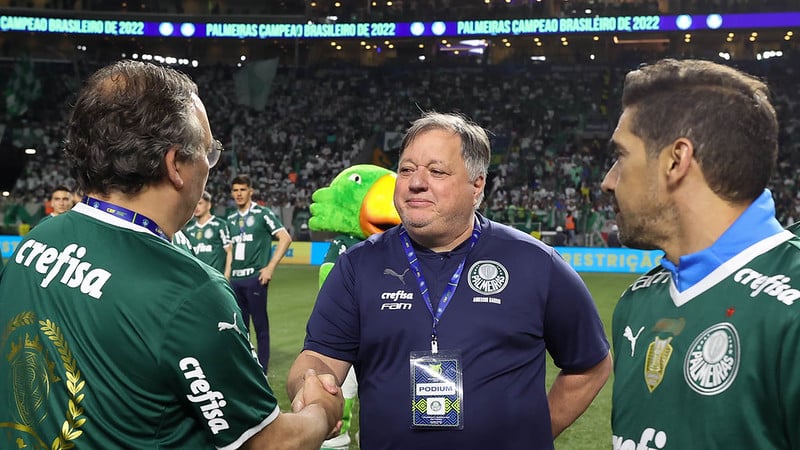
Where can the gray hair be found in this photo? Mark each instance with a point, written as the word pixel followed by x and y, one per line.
pixel 475 147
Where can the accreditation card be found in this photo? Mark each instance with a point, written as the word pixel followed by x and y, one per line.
pixel 437 395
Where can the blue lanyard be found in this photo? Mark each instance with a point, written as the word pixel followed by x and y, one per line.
pixel 243 221
pixel 413 262
pixel 126 215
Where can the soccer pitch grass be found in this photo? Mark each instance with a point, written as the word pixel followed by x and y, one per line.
pixel 291 298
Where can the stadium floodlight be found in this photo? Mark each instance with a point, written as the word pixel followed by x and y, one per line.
pixel 474 42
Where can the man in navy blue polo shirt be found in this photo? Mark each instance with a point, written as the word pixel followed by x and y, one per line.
pixel 447 317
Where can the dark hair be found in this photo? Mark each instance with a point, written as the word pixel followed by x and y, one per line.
pixel 206 196
pixel 242 179
pixel 126 118
pixel 60 188
pixel 725 113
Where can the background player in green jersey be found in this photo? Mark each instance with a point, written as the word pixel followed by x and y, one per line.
pixel 252 228
pixel 705 344
pixel 209 237
pixel 60 201
pixel 111 336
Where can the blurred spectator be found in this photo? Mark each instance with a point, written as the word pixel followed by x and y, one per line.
pixel 613 237
pixel 560 238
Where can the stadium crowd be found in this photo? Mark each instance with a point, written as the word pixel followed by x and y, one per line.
pixel 549 124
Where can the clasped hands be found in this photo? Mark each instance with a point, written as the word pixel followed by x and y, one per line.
pixel 321 390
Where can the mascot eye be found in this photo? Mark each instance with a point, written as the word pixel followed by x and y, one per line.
pixel 355 178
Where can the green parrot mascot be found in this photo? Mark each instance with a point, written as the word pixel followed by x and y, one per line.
pixel 357 204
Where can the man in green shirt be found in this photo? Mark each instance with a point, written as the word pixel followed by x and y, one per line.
pixel 209 237
pixel 112 337
pixel 252 228
pixel 60 201
pixel 705 345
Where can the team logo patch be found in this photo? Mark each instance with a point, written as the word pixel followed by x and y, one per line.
pixel 250 221
pixel 712 360
pixel 487 277
pixel 655 363
pixel 209 233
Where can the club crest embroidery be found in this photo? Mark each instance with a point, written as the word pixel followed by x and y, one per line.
pixel 712 360
pixel 209 233
pixel 658 353
pixel 33 378
pixel 487 277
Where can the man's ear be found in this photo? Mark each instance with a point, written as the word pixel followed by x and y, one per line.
pixel 173 165
pixel 478 186
pixel 679 157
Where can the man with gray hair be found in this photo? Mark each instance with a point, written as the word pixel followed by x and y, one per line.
pixel 448 316
pixel 115 338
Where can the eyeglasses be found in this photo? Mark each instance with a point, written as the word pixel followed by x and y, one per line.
pixel 214 153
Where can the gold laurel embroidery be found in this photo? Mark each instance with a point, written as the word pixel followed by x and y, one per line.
pixel 21 319
pixel 70 429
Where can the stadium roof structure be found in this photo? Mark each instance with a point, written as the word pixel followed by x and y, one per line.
pixel 232 39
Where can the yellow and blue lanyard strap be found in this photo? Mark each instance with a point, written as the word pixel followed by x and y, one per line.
pixel 243 222
pixel 126 215
pixel 413 262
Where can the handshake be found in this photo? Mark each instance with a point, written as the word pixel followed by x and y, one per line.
pixel 320 391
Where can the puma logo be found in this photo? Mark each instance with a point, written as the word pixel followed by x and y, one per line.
pixel 399 276
pixel 628 334
pixel 222 326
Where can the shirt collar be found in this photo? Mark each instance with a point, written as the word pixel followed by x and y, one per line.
pixel 756 223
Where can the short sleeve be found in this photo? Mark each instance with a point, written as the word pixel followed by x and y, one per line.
pixel 224 233
pixel 574 333
pixel 273 223
pixel 215 369
pixel 333 327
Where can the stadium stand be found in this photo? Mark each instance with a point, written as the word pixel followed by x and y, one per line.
pixel 549 120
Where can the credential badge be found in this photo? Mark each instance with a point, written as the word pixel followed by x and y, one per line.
pixel 487 277
pixel 712 360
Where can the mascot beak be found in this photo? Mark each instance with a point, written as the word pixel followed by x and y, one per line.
pixel 377 210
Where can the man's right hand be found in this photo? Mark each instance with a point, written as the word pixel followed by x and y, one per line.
pixel 321 390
